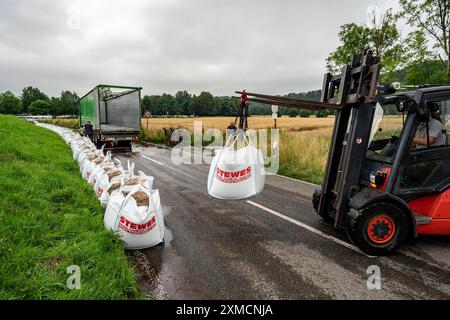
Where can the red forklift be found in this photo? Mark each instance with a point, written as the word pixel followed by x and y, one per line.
pixel 387 178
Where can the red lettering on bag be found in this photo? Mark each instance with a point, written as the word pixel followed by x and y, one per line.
pixel 233 177
pixel 236 174
pixel 133 228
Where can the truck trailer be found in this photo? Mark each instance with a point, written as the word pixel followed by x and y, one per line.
pixel 115 114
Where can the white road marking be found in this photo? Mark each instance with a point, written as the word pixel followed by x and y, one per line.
pixel 160 163
pixel 309 228
pixel 166 165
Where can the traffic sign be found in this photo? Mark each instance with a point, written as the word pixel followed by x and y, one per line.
pixel 274 116
pixel 147 114
pixel 274 109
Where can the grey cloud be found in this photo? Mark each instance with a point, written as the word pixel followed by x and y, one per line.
pixel 165 46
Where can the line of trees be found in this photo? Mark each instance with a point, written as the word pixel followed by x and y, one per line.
pixel 35 102
pixel 205 104
pixel 183 103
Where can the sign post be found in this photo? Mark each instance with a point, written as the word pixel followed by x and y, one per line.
pixel 147 114
pixel 275 115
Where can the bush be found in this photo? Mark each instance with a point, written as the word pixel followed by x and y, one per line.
pixel 293 113
pixel 322 114
pixel 305 113
pixel 39 107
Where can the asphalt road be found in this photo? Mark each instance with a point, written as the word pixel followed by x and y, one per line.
pixel 273 246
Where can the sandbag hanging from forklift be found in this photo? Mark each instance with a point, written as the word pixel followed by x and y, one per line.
pixel 237 174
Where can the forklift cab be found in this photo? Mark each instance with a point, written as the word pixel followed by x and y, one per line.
pixel 405 178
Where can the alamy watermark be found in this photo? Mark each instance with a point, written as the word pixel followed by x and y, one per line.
pixel 202 144
pixel 374 280
pixel 74 280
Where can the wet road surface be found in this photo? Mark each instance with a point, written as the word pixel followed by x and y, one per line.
pixel 273 246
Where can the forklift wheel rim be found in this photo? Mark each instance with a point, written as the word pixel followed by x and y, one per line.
pixel 381 229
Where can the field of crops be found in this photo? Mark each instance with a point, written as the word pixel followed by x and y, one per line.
pixel 256 122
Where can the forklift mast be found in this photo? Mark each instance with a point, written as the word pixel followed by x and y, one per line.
pixel 353 94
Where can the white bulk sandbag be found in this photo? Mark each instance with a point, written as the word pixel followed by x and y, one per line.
pixel 128 184
pixel 236 174
pixel 99 170
pixel 89 162
pixel 77 147
pixel 109 179
pixel 88 167
pixel 84 152
pixel 83 146
pixel 139 226
pixel 104 169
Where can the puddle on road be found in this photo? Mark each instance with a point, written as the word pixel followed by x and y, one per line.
pixel 149 264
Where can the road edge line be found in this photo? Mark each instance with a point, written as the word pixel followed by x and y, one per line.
pixel 309 228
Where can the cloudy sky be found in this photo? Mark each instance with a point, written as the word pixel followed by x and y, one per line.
pixel 169 45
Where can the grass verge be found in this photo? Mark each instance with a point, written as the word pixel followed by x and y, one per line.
pixel 302 157
pixel 50 220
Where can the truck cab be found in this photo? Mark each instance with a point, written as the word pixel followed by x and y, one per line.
pixel 115 114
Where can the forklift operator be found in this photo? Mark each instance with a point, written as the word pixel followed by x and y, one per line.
pixel 435 135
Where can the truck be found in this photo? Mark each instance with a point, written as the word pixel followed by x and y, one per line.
pixel 115 114
pixel 387 178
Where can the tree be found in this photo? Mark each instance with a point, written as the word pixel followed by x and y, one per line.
pixel 354 40
pixel 293 113
pixel 9 103
pixel 69 103
pixel 39 107
pixel 322 114
pixel 305 113
pixel 228 106
pixel 433 18
pixel 166 105
pixel 55 107
pixel 380 34
pixel 183 102
pixel 203 105
pixel 30 95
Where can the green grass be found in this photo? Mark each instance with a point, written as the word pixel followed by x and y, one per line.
pixel 303 157
pixel 153 135
pixel 50 220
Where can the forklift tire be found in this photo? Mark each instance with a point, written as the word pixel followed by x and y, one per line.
pixel 380 229
pixel 315 200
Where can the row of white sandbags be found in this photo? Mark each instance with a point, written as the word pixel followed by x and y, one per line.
pixel 133 207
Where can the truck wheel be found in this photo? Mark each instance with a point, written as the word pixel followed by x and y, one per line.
pixel 380 230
